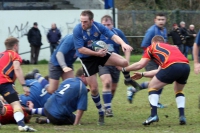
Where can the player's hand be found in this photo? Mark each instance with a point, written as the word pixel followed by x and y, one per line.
pixel 102 52
pixel 197 68
pixel 3 100
pixel 26 90
pixel 126 47
pixel 136 76
pixel 29 104
pixel 67 69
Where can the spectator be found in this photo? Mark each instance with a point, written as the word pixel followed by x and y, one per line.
pixel 184 29
pixel 185 34
pixel 34 38
pixel 53 37
pixel 178 37
pixel 190 40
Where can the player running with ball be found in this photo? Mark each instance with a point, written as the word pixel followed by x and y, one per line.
pixel 84 34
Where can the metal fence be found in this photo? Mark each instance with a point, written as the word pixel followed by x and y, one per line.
pixel 135 23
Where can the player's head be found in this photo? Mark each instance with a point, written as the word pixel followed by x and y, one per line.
pixel 12 43
pixel 86 19
pixel 157 38
pixel 160 20
pixel 80 74
pixel 107 21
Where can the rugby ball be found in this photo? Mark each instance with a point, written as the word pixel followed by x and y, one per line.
pixel 97 45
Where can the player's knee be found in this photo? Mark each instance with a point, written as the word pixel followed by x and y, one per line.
pixel 17 109
pixel 94 91
pixel 124 63
pixel 108 85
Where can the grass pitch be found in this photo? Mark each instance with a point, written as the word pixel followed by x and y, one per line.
pixel 128 118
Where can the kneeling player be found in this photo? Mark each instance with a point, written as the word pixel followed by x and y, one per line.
pixel 70 96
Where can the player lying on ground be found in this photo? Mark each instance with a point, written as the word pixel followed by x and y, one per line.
pixel 6 116
pixel 174 67
pixel 38 89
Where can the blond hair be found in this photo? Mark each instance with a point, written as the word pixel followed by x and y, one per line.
pixel 157 38
pixel 10 42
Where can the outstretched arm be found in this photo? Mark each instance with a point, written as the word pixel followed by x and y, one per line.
pixel 196 58
pixel 79 114
pixel 149 74
pixel 138 65
pixel 124 46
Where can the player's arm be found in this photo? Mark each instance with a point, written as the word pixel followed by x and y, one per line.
pixel 127 53
pixel 79 114
pixel 148 74
pixel 79 44
pixel 196 58
pixel 124 46
pixel 19 74
pixel 61 60
pixel 137 66
pixel 101 52
pixel 196 53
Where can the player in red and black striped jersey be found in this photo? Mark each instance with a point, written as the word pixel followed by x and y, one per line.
pixel 10 70
pixel 7 115
pixel 173 67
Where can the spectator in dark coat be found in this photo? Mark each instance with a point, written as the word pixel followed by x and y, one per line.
pixel 178 37
pixel 53 37
pixel 190 40
pixel 35 40
pixel 184 29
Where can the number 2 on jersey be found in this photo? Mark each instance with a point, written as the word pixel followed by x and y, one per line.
pixel 64 89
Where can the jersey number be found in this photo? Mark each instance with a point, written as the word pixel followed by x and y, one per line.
pixel 44 92
pixel 64 89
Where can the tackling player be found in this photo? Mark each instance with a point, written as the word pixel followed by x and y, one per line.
pixel 174 67
pixel 84 34
pixel 156 29
pixel 10 70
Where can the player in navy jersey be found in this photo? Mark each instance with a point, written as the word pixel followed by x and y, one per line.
pixel 61 62
pixel 109 75
pixel 71 96
pixel 84 34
